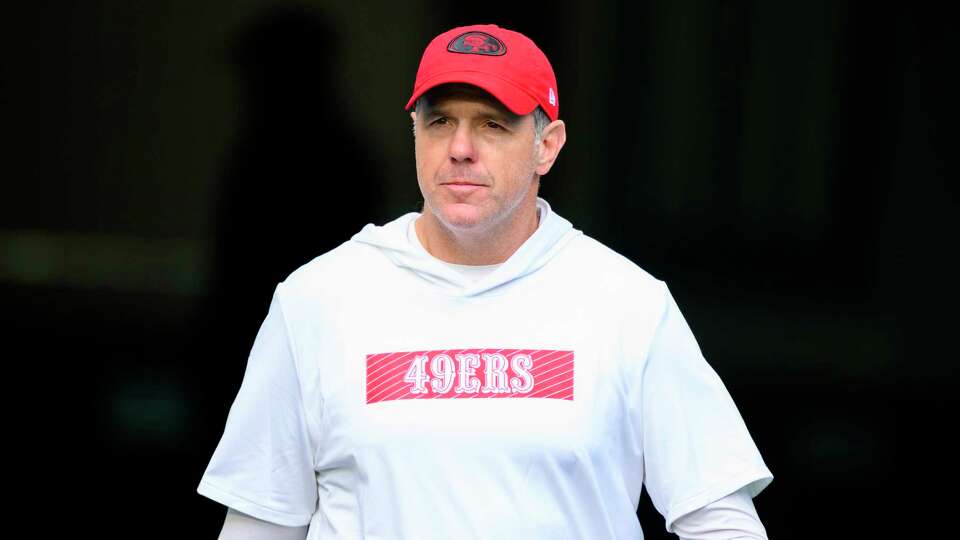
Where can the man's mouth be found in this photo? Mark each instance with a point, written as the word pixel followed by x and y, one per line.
pixel 463 188
pixel 462 183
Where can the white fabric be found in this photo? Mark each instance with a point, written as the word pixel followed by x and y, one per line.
pixel 239 526
pixel 731 518
pixel 302 445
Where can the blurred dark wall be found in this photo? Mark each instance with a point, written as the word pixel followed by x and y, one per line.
pixel 783 167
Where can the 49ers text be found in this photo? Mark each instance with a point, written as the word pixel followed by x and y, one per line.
pixel 470 373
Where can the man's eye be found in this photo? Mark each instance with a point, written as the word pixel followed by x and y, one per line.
pixel 438 121
pixel 494 125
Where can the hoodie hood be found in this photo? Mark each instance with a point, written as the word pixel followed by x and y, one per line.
pixel 404 250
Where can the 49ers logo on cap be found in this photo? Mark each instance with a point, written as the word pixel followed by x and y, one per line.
pixel 477 43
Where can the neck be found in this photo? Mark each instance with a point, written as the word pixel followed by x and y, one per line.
pixel 493 245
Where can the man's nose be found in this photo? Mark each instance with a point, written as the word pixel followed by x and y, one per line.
pixel 461 144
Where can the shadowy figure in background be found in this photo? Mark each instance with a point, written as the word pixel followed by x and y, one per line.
pixel 282 201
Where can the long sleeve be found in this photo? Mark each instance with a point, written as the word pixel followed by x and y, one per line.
pixel 239 526
pixel 731 518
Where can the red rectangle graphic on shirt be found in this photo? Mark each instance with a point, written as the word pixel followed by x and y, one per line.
pixel 469 374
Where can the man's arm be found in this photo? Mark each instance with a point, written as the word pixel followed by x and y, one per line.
pixel 239 526
pixel 731 518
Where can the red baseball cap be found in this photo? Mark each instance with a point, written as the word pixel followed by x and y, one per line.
pixel 505 63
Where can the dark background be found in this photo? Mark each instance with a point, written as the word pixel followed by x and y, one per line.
pixel 782 166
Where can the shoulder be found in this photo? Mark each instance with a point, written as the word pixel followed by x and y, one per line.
pixel 609 270
pixel 617 292
pixel 349 258
pixel 339 272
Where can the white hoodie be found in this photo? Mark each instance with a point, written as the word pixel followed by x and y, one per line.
pixel 389 396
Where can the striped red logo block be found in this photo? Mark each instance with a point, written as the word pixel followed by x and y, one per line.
pixel 469 374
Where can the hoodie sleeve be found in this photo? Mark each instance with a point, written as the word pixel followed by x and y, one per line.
pixel 696 446
pixel 263 465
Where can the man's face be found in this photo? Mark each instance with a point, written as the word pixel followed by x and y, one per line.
pixel 476 161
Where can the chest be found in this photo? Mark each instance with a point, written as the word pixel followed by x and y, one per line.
pixel 529 376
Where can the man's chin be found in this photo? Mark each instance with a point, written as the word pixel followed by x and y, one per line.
pixel 462 216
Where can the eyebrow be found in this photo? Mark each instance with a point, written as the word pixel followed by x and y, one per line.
pixel 503 115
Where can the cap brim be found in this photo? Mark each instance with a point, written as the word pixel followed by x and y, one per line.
pixel 512 97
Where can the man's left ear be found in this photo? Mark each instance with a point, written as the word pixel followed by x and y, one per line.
pixel 552 140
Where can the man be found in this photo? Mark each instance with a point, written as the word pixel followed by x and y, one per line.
pixel 481 369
